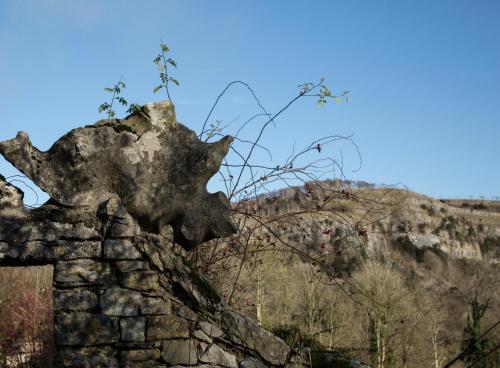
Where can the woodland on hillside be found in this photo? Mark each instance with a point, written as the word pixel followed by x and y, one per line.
pixel 369 290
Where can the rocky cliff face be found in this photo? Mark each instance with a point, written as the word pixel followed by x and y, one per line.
pixel 410 223
pixel 427 225
pixel 431 251
pixel 424 236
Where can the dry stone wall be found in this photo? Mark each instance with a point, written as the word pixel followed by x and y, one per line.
pixel 123 298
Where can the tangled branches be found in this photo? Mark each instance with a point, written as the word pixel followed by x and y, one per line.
pixel 314 188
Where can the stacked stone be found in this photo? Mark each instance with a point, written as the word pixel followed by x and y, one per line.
pixel 122 298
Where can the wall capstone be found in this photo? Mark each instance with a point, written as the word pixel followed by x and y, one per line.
pixel 156 167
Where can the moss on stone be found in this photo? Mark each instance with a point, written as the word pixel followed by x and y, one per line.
pixel 123 128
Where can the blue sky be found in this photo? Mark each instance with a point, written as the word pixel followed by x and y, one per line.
pixel 424 76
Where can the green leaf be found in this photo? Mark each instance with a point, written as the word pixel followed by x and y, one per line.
pixel 157 88
pixel 103 107
pixel 172 62
pixel 320 103
pixel 325 91
pixel 133 108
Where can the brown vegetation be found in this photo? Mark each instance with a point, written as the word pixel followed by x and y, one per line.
pixel 26 317
pixel 353 277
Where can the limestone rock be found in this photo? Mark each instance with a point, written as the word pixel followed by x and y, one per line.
pixel 82 272
pixel 139 345
pixel 133 329
pixel 252 363
pixel 73 250
pixel 75 299
pixel 211 329
pixel 147 364
pixel 84 329
pixel 157 167
pixel 300 361
pixel 166 327
pixel 87 358
pixel 155 306
pixel 139 355
pixel 215 355
pixel 117 301
pixel 120 249
pixel 202 336
pixel 271 348
pixel 127 266
pixel 124 230
pixel 153 255
pixel 59 250
pixel 6 250
pixel 180 352
pixel 186 313
pixel 141 280
pixel 50 231
pixel 10 196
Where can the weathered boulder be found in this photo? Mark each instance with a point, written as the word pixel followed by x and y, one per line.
pixel 82 272
pixel 252 363
pixel 248 333
pixel 88 358
pixel 133 329
pixel 140 355
pixel 85 329
pixel 216 356
pixel 180 352
pixel 78 299
pixel 120 302
pixel 157 167
pixel 167 327
pixel 210 329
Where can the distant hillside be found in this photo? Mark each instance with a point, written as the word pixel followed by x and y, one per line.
pixel 474 204
pixel 433 255
pixel 409 222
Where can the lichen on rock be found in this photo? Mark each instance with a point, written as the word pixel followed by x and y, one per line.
pixel 10 196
